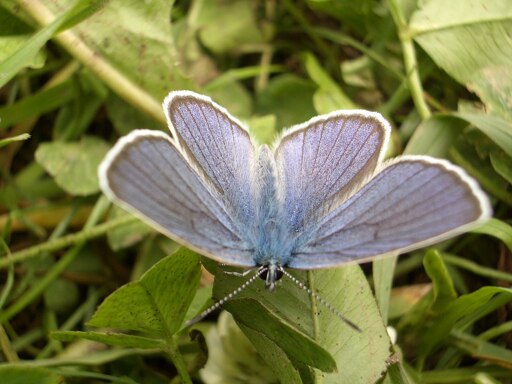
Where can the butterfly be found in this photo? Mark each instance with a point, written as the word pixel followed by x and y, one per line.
pixel 320 196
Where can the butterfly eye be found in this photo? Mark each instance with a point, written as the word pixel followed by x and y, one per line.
pixel 270 273
pixel 266 270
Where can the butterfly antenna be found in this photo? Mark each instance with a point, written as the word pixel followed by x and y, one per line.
pixel 321 300
pixel 226 298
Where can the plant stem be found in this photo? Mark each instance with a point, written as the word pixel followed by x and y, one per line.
pixel 124 87
pixel 66 241
pixel 38 288
pixel 177 359
pixel 411 65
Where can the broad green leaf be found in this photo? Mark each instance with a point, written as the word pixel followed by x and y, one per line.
pixel 463 312
pixel 470 39
pixel 61 296
pixel 497 129
pixel 435 136
pixel 227 26
pixel 329 96
pixel 347 290
pixel 74 165
pixel 276 100
pixel 263 128
pixel 232 357
pixel 274 356
pixel 126 235
pixel 136 38
pixel 117 339
pixel 24 375
pixel 298 346
pixel 234 97
pixel 482 350
pixel 157 303
pixel 363 16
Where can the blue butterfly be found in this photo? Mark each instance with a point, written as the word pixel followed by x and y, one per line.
pixel 322 195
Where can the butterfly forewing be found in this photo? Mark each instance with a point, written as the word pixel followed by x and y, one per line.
pixel 148 175
pixel 412 202
pixel 218 146
pixel 321 162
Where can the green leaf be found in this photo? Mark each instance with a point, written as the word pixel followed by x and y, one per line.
pixel 263 128
pixel 24 375
pixel 498 130
pixel 136 38
pixel 61 296
pixel 228 25
pixel 344 288
pixel 36 104
pixel 116 339
pixel 470 39
pixel 232 357
pixel 465 153
pixel 502 164
pixel 358 72
pixel 482 350
pixel 443 292
pixel 275 100
pixel 125 118
pixel 126 235
pixel 463 312
pixel 329 96
pixel 28 51
pixel 383 270
pixel 234 97
pixel 9 45
pixel 435 136
pixel 157 303
pixel 498 229
pixel 274 356
pixel 74 165
pixel 298 346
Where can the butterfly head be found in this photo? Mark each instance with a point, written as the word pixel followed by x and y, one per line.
pixel 271 273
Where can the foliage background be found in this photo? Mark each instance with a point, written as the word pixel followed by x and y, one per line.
pixel 75 75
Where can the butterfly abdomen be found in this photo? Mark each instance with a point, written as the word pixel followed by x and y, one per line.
pixel 269 229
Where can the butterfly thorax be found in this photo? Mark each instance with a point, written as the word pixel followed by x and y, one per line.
pixel 272 245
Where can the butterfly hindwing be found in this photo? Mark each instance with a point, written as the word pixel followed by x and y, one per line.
pixel 414 201
pixel 146 174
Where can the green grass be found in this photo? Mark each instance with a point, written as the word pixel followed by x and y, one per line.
pixel 87 292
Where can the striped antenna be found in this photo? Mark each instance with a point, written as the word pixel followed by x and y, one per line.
pixel 221 302
pixel 321 300
pixel 261 271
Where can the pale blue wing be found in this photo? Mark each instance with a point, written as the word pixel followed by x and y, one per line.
pixel 413 202
pixel 146 174
pixel 326 159
pixel 218 146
